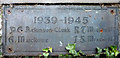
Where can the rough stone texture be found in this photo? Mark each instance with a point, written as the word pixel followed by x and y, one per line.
pixel 119 28
pixel 0 22
pixel 58 1
pixel 0 27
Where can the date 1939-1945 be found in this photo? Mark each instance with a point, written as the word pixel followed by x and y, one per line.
pixel 65 20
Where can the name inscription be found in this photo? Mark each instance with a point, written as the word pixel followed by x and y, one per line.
pixel 84 29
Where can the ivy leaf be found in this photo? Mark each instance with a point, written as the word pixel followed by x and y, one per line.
pixel 50 49
pixel 46 54
pixel 106 49
pixel 61 55
pixel 99 50
pixel 78 54
pixel 68 55
pixel 33 57
pixel 73 52
pixel 81 52
pixel 46 49
pixel 97 55
pixel 70 47
pixel 112 53
pixel 116 53
pixel 70 51
pixel 107 53
pixel 26 56
pixel 113 48
pixel 40 55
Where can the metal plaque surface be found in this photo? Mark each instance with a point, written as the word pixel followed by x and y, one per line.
pixel 58 1
pixel 29 29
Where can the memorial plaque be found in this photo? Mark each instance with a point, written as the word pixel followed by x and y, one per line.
pixel 29 29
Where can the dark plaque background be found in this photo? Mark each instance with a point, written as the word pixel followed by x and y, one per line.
pixel 29 29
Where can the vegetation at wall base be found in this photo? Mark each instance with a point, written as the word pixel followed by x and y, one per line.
pixel 110 52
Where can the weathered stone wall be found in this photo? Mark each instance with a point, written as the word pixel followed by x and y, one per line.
pixel 0 21
pixel 119 26
pixel 58 1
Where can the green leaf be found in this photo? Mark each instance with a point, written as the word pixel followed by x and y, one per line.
pixel 40 55
pixel 107 53
pixel 26 56
pixel 70 47
pixel 106 49
pixel 116 53
pixel 99 50
pixel 96 55
pixel 81 52
pixel 113 48
pixel 73 52
pixel 45 54
pixel 61 55
pixel 112 53
pixel 68 55
pixel 46 49
pixel 32 56
pixel 50 49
